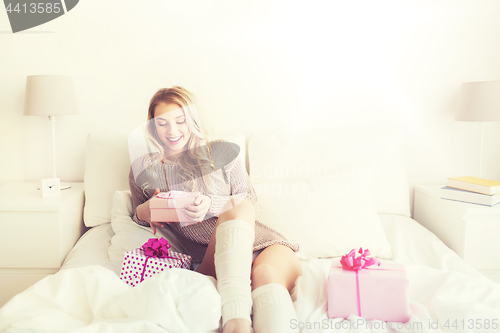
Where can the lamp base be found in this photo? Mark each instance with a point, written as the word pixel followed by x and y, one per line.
pixel 62 186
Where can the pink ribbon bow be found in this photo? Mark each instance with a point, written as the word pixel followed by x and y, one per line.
pixel 155 247
pixel 172 195
pixel 351 262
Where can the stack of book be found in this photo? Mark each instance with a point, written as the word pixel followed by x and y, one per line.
pixel 472 190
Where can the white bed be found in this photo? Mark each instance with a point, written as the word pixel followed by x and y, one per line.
pixel 446 294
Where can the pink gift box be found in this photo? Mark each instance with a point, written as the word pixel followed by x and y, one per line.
pixel 373 293
pixel 137 267
pixel 166 206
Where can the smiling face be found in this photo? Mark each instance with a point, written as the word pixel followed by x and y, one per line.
pixel 170 125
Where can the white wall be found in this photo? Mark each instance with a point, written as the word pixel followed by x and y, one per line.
pixel 256 65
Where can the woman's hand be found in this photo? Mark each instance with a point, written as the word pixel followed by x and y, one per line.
pixel 197 211
pixel 144 214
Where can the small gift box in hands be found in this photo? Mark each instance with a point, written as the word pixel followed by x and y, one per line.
pixel 167 206
pixel 152 258
pixel 373 293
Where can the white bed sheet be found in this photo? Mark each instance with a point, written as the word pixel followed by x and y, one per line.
pixel 406 236
pixel 443 288
pixel 92 249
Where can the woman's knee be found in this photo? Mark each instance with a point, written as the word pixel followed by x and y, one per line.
pixel 278 264
pixel 242 211
pixel 263 274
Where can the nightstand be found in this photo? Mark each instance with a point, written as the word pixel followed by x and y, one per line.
pixel 36 233
pixel 471 230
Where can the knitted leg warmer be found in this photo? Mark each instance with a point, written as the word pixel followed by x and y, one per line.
pixel 233 263
pixel 273 309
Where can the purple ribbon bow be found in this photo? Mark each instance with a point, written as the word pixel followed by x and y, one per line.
pixel 155 248
pixel 351 262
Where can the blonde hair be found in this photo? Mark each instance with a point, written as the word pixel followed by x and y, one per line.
pixel 196 161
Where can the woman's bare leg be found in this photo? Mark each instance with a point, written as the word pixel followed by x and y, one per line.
pixel 207 266
pixel 274 273
pixel 276 264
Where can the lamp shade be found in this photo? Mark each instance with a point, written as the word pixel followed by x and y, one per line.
pixel 479 101
pixel 48 95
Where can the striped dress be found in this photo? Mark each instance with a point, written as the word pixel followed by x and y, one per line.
pixel 195 237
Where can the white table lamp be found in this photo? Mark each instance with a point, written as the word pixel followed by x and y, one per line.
pixel 479 102
pixel 50 95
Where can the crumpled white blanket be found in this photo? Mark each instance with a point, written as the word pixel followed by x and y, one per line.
pixel 94 299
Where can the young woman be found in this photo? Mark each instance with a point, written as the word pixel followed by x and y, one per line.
pixel 224 232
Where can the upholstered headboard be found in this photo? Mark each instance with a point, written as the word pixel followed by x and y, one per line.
pixel 312 152
pixel 325 189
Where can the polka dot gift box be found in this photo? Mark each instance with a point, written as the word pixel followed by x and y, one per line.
pixel 152 258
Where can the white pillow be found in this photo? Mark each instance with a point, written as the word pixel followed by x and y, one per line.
pixel 128 234
pixel 290 155
pixel 327 216
pixel 107 168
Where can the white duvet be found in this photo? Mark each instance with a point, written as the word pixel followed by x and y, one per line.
pixel 446 295
pixel 94 299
